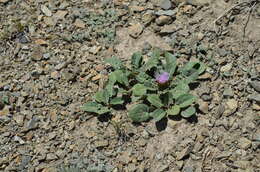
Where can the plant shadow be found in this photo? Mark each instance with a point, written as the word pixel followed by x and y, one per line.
pixel 162 124
pixel 105 117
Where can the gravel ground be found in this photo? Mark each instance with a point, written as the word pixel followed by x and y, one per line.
pixel 52 62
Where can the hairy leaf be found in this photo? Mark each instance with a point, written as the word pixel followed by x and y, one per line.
pixel 174 110
pixel 95 107
pixel 136 60
pixel 158 114
pixel 171 63
pixel 167 98
pixel 139 90
pixel 191 67
pixel 188 112
pixel 115 62
pixel 185 100
pixel 155 100
pixel 139 113
pixel 110 88
pixel 142 77
pixel 119 76
pixel 117 101
pixel 102 96
pixel 181 88
pixel 150 64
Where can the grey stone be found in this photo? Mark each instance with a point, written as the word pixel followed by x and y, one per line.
pixel 186 151
pixel 162 20
pixel 198 2
pixel 228 92
pixel 46 10
pixel 224 154
pixel 166 12
pixel 135 30
pixel 166 4
pixel 244 143
pixel 101 143
pixel 256 137
pixel 19 119
pixel 226 68
pixel 32 124
pixel 46 56
pixel 206 97
pixel 166 29
pixel 254 97
pixel 25 161
pixel 51 156
pixel 19 139
pixel 255 85
pixel 188 169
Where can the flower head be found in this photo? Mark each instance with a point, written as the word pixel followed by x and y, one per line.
pixel 162 77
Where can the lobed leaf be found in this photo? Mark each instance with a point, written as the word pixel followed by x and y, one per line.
pixel 152 62
pixel 142 77
pixel 119 76
pixel 102 96
pixel 115 62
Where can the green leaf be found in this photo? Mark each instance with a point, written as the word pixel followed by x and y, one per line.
pixel 156 53
pixel 102 96
pixel 139 113
pixel 135 98
pixel 142 77
pixel 150 85
pixel 5 99
pixel 175 110
pixel 119 76
pixel 110 89
pixel 122 91
pixel 191 67
pixel 115 62
pixel 117 101
pixel 181 88
pixel 95 108
pixel 103 110
pixel 192 77
pixel 136 60
pixel 139 90
pixel 112 77
pixel 167 98
pixel 188 112
pixel 171 63
pixel 178 94
pixel 155 100
pixel 185 100
pixel 158 114
pixel 152 62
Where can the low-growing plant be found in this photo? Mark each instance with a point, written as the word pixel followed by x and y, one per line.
pixel 154 88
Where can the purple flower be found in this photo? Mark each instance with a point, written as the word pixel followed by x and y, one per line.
pixel 162 78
